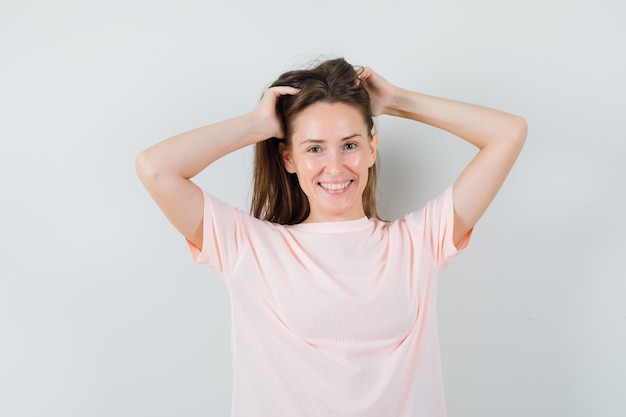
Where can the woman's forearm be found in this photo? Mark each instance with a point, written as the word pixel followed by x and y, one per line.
pixel 498 135
pixel 165 169
pixel 187 154
pixel 478 125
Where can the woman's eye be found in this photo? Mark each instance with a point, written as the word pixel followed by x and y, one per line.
pixel 314 149
pixel 350 145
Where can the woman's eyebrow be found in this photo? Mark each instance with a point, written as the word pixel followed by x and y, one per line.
pixel 311 140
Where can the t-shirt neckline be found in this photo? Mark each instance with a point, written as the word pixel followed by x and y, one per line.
pixel 333 227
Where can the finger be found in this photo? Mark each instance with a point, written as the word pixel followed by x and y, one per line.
pixel 366 73
pixel 283 90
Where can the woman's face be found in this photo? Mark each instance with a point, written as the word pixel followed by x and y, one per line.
pixel 330 152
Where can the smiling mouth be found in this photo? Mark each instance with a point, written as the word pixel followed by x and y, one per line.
pixel 335 187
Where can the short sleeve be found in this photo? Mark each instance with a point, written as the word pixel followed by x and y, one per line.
pixel 436 221
pixel 221 235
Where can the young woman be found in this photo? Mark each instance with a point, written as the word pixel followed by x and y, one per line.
pixel 333 310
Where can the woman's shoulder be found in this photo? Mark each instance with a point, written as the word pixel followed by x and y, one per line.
pixel 433 209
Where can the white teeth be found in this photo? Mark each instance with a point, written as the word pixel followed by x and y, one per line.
pixel 335 187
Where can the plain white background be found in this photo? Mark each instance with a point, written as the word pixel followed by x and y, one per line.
pixel 102 312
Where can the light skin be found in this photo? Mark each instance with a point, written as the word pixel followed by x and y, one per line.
pixel 166 168
pixel 499 137
pixel 331 151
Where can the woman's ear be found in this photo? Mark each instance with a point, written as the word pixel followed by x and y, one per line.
pixel 285 153
pixel 373 149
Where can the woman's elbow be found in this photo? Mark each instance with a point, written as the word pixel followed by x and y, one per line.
pixel 519 130
pixel 513 134
pixel 145 166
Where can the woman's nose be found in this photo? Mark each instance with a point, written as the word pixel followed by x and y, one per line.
pixel 334 163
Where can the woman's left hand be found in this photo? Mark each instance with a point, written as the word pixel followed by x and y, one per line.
pixel 382 92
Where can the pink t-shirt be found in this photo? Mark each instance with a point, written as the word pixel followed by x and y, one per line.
pixel 333 319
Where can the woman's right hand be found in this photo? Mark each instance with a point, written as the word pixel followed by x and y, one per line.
pixel 166 168
pixel 268 124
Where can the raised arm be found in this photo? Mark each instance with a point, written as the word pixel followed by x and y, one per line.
pixel 166 168
pixel 499 136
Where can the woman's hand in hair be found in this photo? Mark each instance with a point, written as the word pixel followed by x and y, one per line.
pixel 382 92
pixel 268 123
